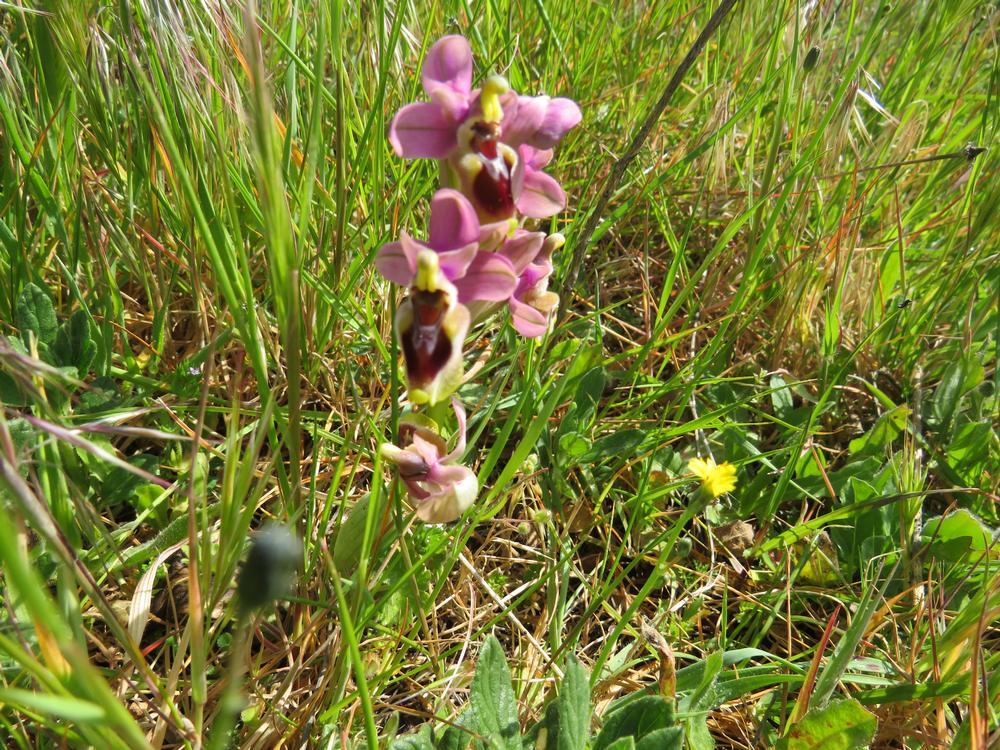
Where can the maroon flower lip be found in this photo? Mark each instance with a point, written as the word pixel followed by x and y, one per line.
pixel 426 347
pixel 492 188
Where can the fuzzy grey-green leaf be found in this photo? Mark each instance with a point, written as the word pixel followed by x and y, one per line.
pixel 842 725
pixel 494 707
pixel 34 313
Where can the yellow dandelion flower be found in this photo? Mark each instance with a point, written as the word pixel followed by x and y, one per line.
pixel 716 479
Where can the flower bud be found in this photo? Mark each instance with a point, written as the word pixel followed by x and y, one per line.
pixel 269 571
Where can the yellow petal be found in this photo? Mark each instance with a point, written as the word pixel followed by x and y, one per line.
pixel 716 479
pixel 700 467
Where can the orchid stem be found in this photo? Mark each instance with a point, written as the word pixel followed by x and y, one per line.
pixel 439 412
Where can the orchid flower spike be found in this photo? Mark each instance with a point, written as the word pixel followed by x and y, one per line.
pixel 478 134
pixel 439 487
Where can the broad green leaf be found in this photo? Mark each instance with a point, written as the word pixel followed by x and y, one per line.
pixel 455 737
pixel 621 444
pixel 589 394
pixel 699 701
pixel 584 357
pixel 74 345
pixel 494 707
pixel 21 433
pixel 697 734
pixel 668 738
pixel 350 536
pixel 917 692
pixel 622 743
pixel 843 725
pixel 970 450
pixel 34 312
pixel 959 378
pixel 870 531
pixel 781 397
pixel 702 696
pixel 636 719
pixel 119 485
pixel 102 394
pixel 574 445
pixel 574 707
pixel 420 740
pixel 886 429
pixel 10 393
pixel 957 536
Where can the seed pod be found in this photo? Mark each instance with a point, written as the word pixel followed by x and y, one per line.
pixel 269 571
pixel 812 56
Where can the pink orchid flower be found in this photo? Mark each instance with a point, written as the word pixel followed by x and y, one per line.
pixel 463 248
pixel 540 195
pixel 441 489
pixel 476 133
pixel 532 304
pixel 431 325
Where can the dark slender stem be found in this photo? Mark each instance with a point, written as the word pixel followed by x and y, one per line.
pixel 620 166
pixel 968 153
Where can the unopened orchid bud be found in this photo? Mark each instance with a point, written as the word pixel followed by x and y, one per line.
pixel 269 571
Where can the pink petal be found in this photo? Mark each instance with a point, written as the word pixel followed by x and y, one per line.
pixel 522 117
pixel 422 131
pixel 541 196
pixel 457 490
pixel 454 104
pixel 491 236
pixel 449 63
pixel 522 248
pixel 456 454
pixel 414 490
pixel 455 263
pixel 453 221
pixel 517 177
pixel 528 321
pixel 531 279
pixel 409 463
pixel 534 158
pixel 393 262
pixel 429 450
pixel 561 116
pixel 490 277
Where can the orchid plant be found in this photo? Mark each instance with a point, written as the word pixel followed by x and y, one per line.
pixel 480 255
